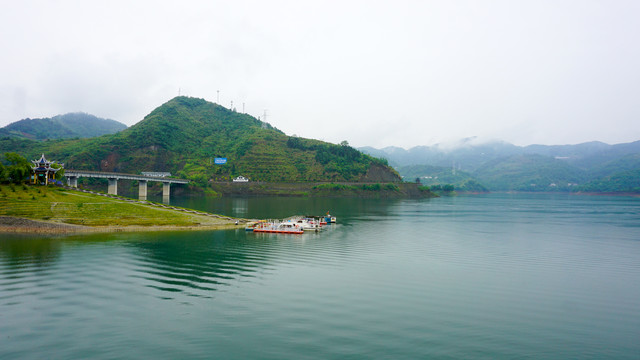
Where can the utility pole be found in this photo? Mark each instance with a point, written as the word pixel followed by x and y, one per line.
pixel 264 119
pixel 218 98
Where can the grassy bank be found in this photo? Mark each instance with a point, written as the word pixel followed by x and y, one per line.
pixel 90 211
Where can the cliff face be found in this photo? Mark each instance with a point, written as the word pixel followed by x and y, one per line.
pixel 379 173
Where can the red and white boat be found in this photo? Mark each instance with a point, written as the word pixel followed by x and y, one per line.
pixel 278 228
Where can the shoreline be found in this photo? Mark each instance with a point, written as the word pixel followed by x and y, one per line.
pixel 61 210
pixel 21 225
pixel 629 194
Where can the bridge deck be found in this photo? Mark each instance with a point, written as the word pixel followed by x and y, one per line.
pixel 118 176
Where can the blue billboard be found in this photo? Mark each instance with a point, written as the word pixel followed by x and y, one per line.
pixel 220 161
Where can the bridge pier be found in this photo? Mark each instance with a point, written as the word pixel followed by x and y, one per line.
pixel 142 189
pixel 73 175
pixel 166 187
pixel 113 186
pixel 72 181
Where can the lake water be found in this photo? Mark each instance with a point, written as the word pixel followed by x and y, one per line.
pixel 493 276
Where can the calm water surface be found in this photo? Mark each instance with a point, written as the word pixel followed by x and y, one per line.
pixel 492 276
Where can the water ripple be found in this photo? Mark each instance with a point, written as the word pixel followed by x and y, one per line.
pixel 485 277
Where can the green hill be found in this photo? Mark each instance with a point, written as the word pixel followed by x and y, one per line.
pixel 619 175
pixel 66 126
pixel 184 135
pixel 439 175
pixel 529 173
pixel 619 165
pixel 502 167
pixel 621 182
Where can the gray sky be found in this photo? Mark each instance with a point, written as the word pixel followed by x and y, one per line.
pixel 376 73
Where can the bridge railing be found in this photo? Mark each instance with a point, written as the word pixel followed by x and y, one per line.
pixel 123 176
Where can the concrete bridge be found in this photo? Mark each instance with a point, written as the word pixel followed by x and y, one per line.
pixel 73 175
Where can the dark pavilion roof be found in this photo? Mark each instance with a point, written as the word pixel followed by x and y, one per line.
pixel 43 165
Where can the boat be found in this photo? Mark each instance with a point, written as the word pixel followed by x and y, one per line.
pixel 278 228
pixel 309 224
pixel 329 219
pixel 293 225
pixel 251 225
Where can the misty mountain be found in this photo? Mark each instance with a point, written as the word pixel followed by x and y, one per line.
pixel 434 175
pixel 529 172
pixel 465 155
pixel 67 126
pixel 468 155
pixel 499 165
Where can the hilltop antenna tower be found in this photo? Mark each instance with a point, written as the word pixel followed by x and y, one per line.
pixel 264 119
pixel 218 97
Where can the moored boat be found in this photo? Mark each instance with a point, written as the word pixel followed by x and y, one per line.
pixel 329 219
pixel 278 228
pixel 307 223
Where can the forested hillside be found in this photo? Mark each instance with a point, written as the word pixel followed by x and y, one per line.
pixel 529 173
pixel 72 125
pixel 438 175
pixel 499 166
pixel 184 135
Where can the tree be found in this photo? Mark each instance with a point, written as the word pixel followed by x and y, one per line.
pixel 344 143
pixel 60 172
pixel 18 169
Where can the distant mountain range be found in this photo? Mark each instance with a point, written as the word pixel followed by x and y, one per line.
pixel 500 166
pixel 185 135
pixel 67 126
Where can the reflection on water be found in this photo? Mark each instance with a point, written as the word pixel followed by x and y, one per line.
pixel 20 251
pixel 282 207
pixel 240 206
pixel 496 276
pixel 196 263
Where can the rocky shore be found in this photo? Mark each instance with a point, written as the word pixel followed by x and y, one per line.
pixel 22 225
pixel 10 224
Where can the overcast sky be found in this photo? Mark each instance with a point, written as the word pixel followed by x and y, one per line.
pixel 377 73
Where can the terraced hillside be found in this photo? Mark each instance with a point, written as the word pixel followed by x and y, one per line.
pixel 184 135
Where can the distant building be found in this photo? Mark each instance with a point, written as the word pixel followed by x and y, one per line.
pixel 241 179
pixel 43 172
